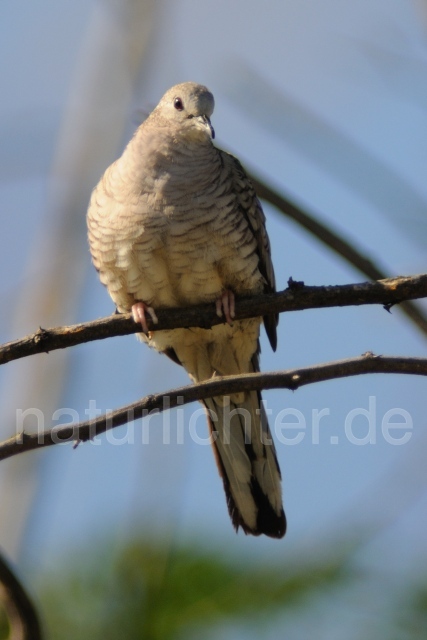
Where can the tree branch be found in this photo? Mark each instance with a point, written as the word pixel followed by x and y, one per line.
pixel 296 298
pixel 334 241
pixel 291 379
pixel 20 611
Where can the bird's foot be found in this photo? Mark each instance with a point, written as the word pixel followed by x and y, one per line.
pixel 139 311
pixel 225 306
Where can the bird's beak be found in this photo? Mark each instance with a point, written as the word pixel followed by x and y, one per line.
pixel 207 122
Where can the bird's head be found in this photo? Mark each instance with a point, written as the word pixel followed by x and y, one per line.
pixel 189 107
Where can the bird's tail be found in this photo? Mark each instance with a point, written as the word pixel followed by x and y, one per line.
pixel 247 462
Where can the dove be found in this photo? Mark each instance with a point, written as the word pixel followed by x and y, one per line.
pixel 175 221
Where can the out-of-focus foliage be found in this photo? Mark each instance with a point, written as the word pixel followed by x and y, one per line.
pixel 154 592
pixel 411 619
pixel 4 627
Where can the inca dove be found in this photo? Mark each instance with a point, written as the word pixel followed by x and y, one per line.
pixel 175 221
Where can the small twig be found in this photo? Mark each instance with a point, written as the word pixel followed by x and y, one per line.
pixel 334 241
pixel 295 298
pixel 20 611
pixel 291 379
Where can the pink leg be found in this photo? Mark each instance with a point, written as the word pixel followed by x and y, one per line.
pixel 139 309
pixel 225 305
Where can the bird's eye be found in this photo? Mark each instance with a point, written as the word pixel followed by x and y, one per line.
pixel 177 103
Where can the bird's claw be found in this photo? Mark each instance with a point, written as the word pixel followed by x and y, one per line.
pixel 139 311
pixel 225 306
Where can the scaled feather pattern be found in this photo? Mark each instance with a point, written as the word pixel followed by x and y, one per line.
pixel 173 222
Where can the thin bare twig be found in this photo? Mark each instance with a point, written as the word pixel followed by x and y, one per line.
pixel 291 379
pixel 22 616
pixel 296 298
pixel 336 242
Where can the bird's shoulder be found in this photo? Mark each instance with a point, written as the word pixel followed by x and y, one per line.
pixel 251 208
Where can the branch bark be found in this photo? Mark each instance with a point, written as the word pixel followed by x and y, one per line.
pixel 20 611
pixel 297 297
pixel 291 379
pixel 334 241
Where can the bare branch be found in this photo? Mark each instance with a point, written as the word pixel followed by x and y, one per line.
pixel 296 298
pixel 291 379
pixel 334 241
pixel 20 611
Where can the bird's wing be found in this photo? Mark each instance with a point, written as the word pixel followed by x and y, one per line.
pixel 251 208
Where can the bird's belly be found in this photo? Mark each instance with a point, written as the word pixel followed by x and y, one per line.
pixel 194 273
pixel 189 257
pixel 176 279
pixel 181 268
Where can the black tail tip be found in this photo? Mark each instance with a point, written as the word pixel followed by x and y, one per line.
pixel 269 523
